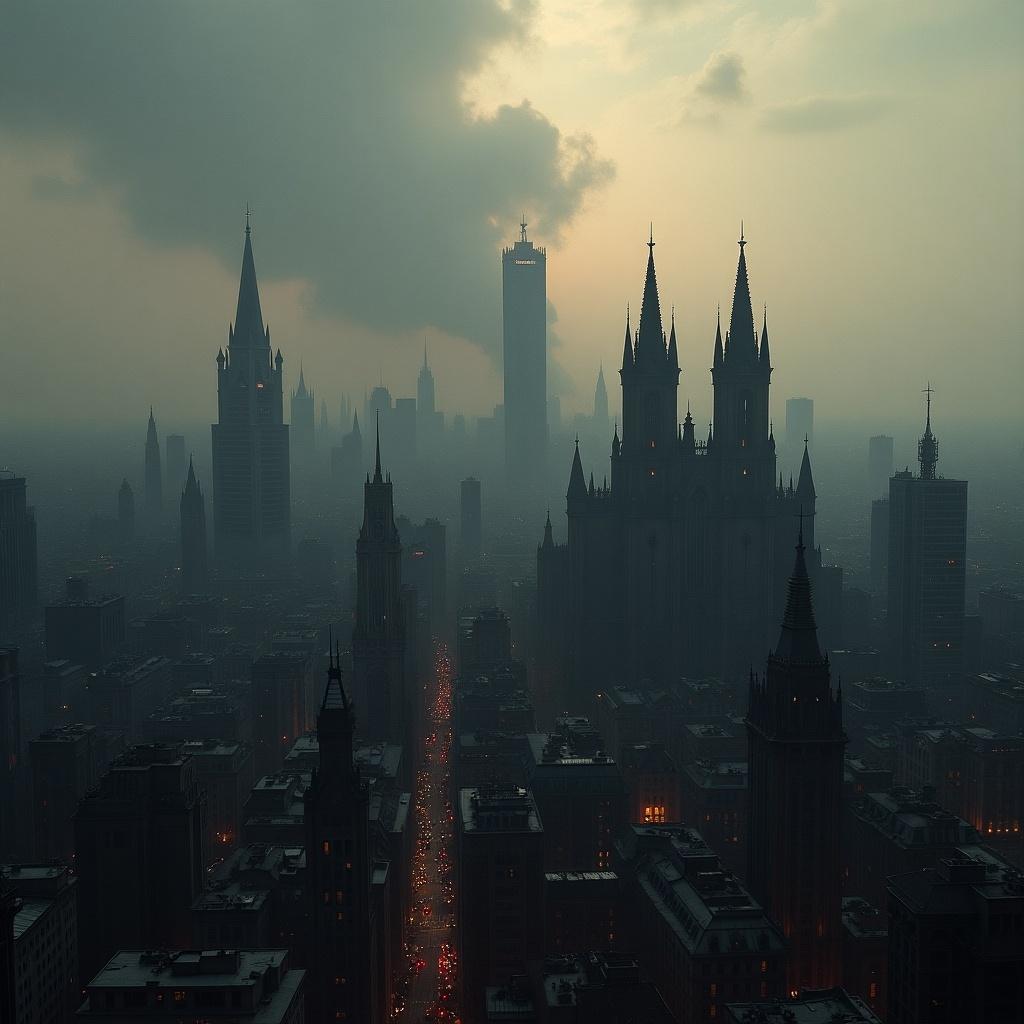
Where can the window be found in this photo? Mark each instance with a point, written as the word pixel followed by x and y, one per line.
pixel 179 996
pixel 327 846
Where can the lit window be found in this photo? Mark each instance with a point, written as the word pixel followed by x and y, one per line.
pixel 650 472
pixel 873 990
pixel 179 995
pixel 327 846
pixel 713 990
pixel 764 966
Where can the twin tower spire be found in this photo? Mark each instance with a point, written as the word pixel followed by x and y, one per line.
pixel 648 349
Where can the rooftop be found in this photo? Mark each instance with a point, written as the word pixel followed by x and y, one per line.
pixel 825 1006
pixel 497 808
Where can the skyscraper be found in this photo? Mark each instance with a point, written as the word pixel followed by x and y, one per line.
pixel 927 551
pixel 125 511
pixel 251 476
pixel 193 536
pixel 795 742
pixel 154 475
pixel 799 422
pixel 425 398
pixel 378 638
pixel 470 521
pixel 338 864
pixel 18 561
pixel 524 352
pixel 879 465
pixel 303 430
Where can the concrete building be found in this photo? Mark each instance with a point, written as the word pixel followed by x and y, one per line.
pixel 880 465
pixel 85 630
pixel 282 702
pixel 240 985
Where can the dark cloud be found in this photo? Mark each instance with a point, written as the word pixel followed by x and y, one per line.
pixel 342 125
pixel 824 113
pixel 723 78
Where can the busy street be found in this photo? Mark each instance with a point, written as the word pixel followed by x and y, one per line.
pixel 431 969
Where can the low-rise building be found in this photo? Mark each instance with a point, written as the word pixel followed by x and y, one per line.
pixel 832 1004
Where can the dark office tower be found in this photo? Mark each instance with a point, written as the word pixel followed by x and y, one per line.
pixel 378 639
pixel 154 474
pixel 880 547
pixel 126 511
pixel 879 465
pixel 344 967
pixel 18 564
pixel 795 751
pixel 176 464
pixel 303 421
pixel 799 422
pixel 927 548
pixel 525 354
pixel 470 519
pixel 600 403
pixel 10 748
pixel 138 847
pixel 193 536
pixel 251 478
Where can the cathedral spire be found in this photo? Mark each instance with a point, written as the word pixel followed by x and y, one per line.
pixel 673 350
pixel 719 353
pixel 805 484
pixel 248 328
pixel 764 356
pixel 742 337
pixel 627 346
pixel 301 391
pixel 798 640
pixel 577 481
pixel 650 345
pixel 549 540
pixel 191 483
pixel 377 477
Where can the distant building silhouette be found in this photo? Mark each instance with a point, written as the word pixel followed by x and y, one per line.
pixel 673 566
pixel 795 753
pixel 303 423
pixel 429 422
pixel 154 474
pixel 799 422
pixel 926 568
pixel 880 449
pixel 18 557
pixel 601 404
pixel 524 353
pixel 880 547
pixel 251 476
pixel 347 459
pixel 470 519
pixel 343 921
pixel 194 573
pixel 125 512
pixel 10 750
pixel 378 638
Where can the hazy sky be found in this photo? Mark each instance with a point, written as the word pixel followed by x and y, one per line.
pixel 873 149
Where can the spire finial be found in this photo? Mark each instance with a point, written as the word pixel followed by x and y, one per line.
pixel 743 240
pixel 247 218
pixel 650 243
pixel 673 316
pixel 522 228
pixel 807 441
pixel 577 441
pixel 928 400
pixel 377 473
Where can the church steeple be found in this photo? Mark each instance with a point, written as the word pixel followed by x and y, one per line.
pixel 798 639
pixel 627 346
pixel 248 326
pixel 577 481
pixel 719 352
pixel 673 349
pixel 805 483
pixel 549 540
pixel 650 345
pixel 377 477
pixel 764 356
pixel 742 346
pixel 928 446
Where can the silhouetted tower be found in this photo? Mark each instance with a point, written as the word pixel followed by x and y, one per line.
pixel 303 421
pixel 524 352
pixel 796 740
pixel 926 569
pixel 378 638
pixel 125 511
pixel 194 575
pixel 343 962
pixel 154 476
pixel 471 519
pixel 600 402
pixel 425 399
pixel 251 473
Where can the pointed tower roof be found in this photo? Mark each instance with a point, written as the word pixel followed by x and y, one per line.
pixel 764 356
pixel 928 446
pixel 673 349
pixel 191 483
pixel 300 392
pixel 151 428
pixel 627 346
pixel 719 352
pixel 650 345
pixel 798 640
pixel 616 443
pixel 249 328
pixel 355 425
pixel 549 540
pixel 590 489
pixel 805 483
pixel 577 481
pixel 600 379
pixel 377 476
pixel 742 344
pixel 335 698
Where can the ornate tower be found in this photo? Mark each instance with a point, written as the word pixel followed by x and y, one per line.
pixel 796 740
pixel 154 476
pixel 194 577
pixel 378 638
pixel 343 942
pixel 303 431
pixel 251 471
